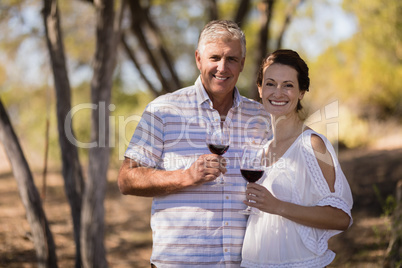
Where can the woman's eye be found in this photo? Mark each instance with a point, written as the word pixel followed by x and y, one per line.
pixel 269 84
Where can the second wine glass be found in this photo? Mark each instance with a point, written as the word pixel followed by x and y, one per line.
pixel 252 167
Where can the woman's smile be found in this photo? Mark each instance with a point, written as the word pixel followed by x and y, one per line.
pixel 278 103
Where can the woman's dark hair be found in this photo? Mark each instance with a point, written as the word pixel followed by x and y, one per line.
pixel 290 58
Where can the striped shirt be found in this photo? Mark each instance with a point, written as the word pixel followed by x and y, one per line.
pixel 197 226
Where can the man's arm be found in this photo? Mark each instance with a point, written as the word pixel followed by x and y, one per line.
pixel 144 181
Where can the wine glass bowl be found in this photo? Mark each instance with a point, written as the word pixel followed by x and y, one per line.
pixel 252 175
pixel 218 149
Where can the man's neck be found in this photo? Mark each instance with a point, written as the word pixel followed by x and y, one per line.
pixel 223 103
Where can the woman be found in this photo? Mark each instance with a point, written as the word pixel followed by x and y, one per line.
pixel 304 197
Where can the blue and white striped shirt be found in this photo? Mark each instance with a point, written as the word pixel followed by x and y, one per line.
pixel 197 226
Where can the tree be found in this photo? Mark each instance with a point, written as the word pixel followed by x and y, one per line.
pixel 266 9
pixel 370 62
pixel 92 232
pixel 71 168
pixel 86 201
pixel 151 41
pixel 42 236
pixel 144 36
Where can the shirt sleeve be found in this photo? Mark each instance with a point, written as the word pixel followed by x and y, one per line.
pixel 316 192
pixel 146 144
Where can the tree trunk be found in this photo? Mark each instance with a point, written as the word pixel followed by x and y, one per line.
pixel 212 9
pixel 92 233
pixel 290 11
pixel 242 11
pixel 42 236
pixel 266 7
pixel 72 173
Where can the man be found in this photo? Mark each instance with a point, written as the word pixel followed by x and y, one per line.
pixel 194 224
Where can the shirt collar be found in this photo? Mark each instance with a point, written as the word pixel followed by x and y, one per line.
pixel 202 95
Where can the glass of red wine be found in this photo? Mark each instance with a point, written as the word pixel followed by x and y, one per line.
pixel 218 141
pixel 252 165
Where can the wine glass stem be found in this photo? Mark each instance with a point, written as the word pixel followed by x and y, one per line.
pixel 219 181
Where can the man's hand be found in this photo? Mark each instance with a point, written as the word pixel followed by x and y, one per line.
pixel 143 181
pixel 206 168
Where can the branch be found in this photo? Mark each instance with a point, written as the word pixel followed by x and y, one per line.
pixel 133 58
pixel 290 11
pixel 165 54
pixel 136 27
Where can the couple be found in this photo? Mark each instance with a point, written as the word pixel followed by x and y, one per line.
pixel 303 203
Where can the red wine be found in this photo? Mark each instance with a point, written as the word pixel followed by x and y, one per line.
pixel 218 149
pixel 251 175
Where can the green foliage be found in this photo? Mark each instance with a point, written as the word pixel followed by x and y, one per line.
pixel 388 205
pixel 363 72
pixel 366 69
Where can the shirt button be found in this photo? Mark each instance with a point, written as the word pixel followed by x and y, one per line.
pixel 226 250
pixel 227 197
pixel 226 223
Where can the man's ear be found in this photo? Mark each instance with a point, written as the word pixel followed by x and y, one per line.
pixel 243 60
pixel 198 59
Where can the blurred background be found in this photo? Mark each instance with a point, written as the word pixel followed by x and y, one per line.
pixel 353 49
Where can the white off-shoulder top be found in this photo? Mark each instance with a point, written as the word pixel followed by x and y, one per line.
pixel 274 241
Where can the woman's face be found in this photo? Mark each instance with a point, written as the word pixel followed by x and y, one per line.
pixel 280 90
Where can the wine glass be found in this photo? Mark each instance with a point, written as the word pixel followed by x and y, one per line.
pixel 218 141
pixel 252 166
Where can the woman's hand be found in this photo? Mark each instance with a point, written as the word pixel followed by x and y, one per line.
pixel 259 197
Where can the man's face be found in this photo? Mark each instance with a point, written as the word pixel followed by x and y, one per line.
pixel 220 65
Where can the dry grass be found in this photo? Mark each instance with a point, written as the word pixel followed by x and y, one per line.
pixel 128 237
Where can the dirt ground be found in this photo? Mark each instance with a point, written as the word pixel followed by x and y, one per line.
pixel 372 175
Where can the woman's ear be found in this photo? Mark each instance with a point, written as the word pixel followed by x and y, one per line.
pixel 301 94
pixel 260 91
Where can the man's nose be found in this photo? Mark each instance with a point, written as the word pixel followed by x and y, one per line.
pixel 222 65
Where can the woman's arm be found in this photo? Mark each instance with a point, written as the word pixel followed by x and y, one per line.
pixel 323 217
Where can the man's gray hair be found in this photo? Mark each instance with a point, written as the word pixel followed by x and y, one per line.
pixel 221 29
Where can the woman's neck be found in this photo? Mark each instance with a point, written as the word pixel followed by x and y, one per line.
pixel 287 127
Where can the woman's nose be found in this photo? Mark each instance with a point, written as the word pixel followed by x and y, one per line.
pixel 278 90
